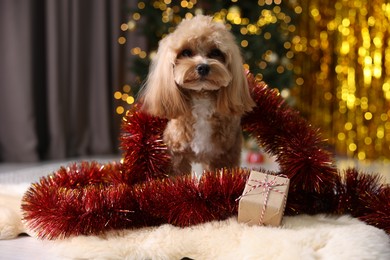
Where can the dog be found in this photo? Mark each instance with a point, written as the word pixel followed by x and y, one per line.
pixel 197 81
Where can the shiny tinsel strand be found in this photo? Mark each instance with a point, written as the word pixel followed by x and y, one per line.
pixel 298 147
pixel 364 196
pixel 356 192
pixel 145 155
pixel 55 210
pixel 378 209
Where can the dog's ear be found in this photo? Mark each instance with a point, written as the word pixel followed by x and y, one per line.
pixel 160 96
pixel 235 98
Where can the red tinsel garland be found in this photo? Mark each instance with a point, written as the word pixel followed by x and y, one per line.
pixel 91 198
pixel 298 147
pixel 66 203
pixel 144 152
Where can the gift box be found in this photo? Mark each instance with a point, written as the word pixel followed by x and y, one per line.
pixel 263 200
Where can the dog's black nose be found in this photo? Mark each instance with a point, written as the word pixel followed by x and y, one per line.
pixel 203 69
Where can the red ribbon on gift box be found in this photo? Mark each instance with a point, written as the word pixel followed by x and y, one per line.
pixel 267 187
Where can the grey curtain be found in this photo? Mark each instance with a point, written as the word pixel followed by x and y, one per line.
pixel 59 65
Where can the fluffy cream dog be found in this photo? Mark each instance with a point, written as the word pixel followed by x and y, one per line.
pixel 197 81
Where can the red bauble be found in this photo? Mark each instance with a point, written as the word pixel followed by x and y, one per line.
pixel 255 157
pixel 90 198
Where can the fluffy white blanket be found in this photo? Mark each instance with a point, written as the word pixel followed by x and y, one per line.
pixel 299 237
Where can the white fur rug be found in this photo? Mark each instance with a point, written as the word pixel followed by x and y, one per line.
pixel 299 237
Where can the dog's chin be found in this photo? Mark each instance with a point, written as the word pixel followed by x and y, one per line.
pixel 202 85
pixel 211 82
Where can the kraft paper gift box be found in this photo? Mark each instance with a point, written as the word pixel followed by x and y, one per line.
pixel 263 200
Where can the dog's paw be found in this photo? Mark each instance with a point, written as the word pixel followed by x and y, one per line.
pixel 178 147
pixel 10 223
pixel 176 144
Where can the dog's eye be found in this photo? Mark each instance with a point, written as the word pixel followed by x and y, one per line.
pixel 186 53
pixel 216 54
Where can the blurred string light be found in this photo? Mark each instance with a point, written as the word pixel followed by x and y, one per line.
pixel 172 12
pixel 125 97
pixel 343 66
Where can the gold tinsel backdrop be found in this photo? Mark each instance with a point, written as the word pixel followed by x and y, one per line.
pixel 342 63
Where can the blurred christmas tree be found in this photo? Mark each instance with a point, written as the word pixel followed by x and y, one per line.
pixel 263 29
